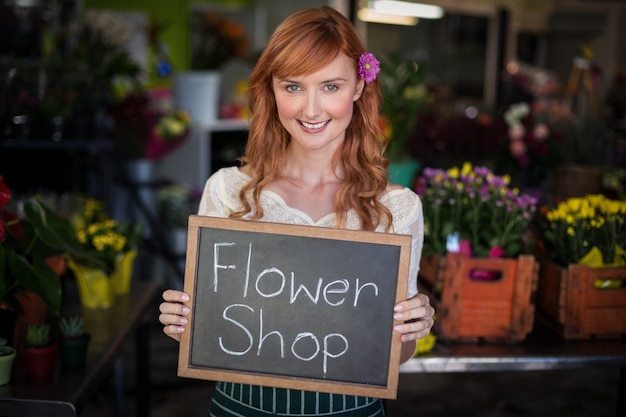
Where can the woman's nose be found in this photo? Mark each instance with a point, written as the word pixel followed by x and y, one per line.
pixel 312 106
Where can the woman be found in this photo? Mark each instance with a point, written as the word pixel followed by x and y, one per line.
pixel 313 157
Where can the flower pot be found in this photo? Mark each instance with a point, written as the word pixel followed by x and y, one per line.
pixel 6 365
pixel 94 286
pixel 574 307
pixel 574 180
pixel 74 351
pixel 471 308
pixel 403 173
pixel 198 93
pixel 34 311
pixel 121 277
pixel 39 361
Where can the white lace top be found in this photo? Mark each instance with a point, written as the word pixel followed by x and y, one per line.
pixel 221 197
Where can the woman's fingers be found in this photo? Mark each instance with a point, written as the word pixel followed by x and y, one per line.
pixel 175 296
pixel 173 313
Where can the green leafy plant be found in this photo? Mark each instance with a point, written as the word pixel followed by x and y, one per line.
pixel 404 95
pixel 72 326
pixel 38 335
pixel 26 240
pixel 5 350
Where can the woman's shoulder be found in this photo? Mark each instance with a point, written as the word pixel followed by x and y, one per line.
pixel 404 204
pixel 221 191
pixel 231 177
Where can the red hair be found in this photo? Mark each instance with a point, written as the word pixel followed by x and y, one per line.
pixel 304 43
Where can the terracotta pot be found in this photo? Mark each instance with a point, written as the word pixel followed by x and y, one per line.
pixel 39 361
pixel 34 312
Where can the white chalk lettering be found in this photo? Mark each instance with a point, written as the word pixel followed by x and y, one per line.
pixel 216 265
pixel 271 282
pixel 328 289
pixel 300 337
pixel 305 290
pixel 331 348
pixel 262 275
pixel 357 293
pixel 262 337
pixel 327 354
pixel 241 326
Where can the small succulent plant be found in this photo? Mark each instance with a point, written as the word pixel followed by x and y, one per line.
pixel 38 335
pixel 72 326
pixel 4 348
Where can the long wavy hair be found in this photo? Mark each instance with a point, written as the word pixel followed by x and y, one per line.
pixel 304 43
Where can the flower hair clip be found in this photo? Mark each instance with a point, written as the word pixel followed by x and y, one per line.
pixel 368 67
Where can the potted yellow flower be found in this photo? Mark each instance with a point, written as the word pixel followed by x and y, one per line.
pixel 582 280
pixel 111 246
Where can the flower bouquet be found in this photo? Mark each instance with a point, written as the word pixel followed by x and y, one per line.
pixel 143 132
pixel 534 139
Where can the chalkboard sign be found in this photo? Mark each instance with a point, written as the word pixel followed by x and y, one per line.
pixel 293 306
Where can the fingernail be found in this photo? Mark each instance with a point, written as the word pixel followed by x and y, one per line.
pixel 180 329
pixel 183 320
pixel 185 297
pixel 397 308
pixel 398 328
pixel 186 310
pixel 397 316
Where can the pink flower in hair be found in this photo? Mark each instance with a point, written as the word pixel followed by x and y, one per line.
pixel 368 67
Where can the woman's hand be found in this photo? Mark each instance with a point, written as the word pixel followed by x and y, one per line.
pixel 173 313
pixel 417 316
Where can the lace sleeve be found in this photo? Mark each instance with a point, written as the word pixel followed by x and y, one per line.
pixel 415 228
pixel 220 196
pixel 406 209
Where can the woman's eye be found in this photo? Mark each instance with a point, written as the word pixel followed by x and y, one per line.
pixel 292 87
pixel 332 87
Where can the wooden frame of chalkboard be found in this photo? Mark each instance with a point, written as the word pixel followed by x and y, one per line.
pixel 291 306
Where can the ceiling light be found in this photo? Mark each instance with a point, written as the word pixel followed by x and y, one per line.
pixel 369 15
pixel 405 8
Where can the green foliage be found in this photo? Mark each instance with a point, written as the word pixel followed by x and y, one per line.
pixel 404 95
pixel 38 335
pixel 28 242
pixel 72 326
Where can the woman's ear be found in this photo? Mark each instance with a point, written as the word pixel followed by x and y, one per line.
pixel 358 90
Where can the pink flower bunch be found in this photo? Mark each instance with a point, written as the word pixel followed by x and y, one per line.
pixel 473 211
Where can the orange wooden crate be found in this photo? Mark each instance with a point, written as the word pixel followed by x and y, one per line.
pixel 570 304
pixel 474 310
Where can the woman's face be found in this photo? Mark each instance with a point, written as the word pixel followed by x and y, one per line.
pixel 316 109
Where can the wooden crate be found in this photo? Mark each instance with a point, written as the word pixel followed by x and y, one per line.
pixel 472 310
pixel 569 303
